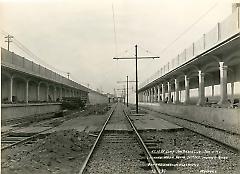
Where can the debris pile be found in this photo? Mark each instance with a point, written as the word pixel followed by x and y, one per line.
pixel 98 109
pixel 60 152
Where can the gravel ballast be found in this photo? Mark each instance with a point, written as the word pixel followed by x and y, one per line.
pixel 61 152
pixel 203 155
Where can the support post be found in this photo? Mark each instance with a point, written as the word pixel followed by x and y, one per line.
pixel 26 95
pixel 11 90
pixel 54 93
pixel 201 89
pixel 176 91
pixel 187 96
pixel 213 90
pixel 47 92
pixel 159 93
pixel 232 91
pixel 151 94
pixel 60 97
pixel 155 94
pixel 163 92
pixel 223 84
pixel 169 92
pixel 38 92
pixel 148 96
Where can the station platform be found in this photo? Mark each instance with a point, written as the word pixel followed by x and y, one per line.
pixel 94 123
pixel 151 122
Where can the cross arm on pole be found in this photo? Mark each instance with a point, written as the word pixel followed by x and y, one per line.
pixel 122 89
pixel 136 58
pixel 125 81
pixel 151 57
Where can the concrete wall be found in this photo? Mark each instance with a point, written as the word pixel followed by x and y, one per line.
pixel 4 88
pixel 97 98
pixel 16 62
pixel 220 118
pixel 10 111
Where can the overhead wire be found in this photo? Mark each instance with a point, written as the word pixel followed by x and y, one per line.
pixel 39 60
pixel 189 28
pixel 114 30
pixel 22 47
pixel 147 51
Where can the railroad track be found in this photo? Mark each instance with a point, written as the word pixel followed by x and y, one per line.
pixel 225 145
pixel 120 148
pixel 11 138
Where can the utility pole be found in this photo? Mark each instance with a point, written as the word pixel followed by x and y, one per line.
pixel 136 81
pixel 8 37
pixel 127 91
pixel 136 59
pixel 128 81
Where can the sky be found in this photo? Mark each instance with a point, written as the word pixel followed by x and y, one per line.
pixel 77 36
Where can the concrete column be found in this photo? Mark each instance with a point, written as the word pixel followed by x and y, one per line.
pixel 54 93
pixel 180 96
pixel 177 91
pixel 201 89
pixel 223 84
pixel 47 92
pixel 154 94
pixel 38 92
pixel 145 96
pixel 187 96
pixel 169 92
pixel 11 89
pixel 150 96
pixel 26 95
pixel 212 90
pixel 232 91
pixel 163 92
pixel 60 97
pixel 159 93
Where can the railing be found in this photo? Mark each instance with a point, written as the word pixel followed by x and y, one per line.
pixel 222 31
pixel 15 61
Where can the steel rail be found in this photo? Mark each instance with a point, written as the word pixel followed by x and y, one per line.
pixel 26 139
pixel 30 137
pixel 83 168
pixel 228 146
pixel 149 156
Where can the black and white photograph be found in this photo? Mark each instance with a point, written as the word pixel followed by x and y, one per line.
pixel 120 86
